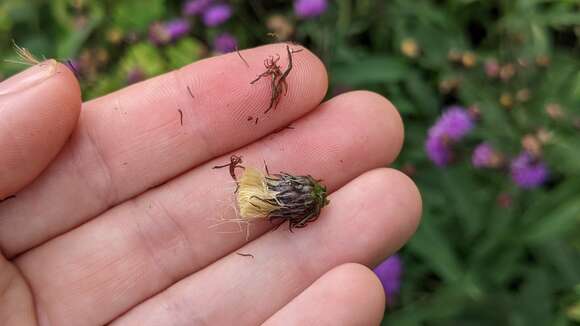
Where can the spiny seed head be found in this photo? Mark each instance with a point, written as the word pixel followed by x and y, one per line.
pixel 298 199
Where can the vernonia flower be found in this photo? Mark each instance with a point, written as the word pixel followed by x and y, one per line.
pixel 390 273
pixel 451 127
pixel 297 199
pixel 529 172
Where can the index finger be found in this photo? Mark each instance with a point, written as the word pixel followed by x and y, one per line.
pixel 148 133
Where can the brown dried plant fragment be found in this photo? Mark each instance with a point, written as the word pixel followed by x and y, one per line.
pixel 278 83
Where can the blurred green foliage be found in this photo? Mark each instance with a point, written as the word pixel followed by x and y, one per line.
pixel 487 252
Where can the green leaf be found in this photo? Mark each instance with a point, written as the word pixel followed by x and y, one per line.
pixel 370 70
pixel 74 40
pixel 432 246
pixel 561 221
pixel 145 57
pixel 135 15
pixel 184 52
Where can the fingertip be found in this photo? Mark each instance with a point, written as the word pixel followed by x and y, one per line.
pixel 362 284
pixel 349 294
pixel 381 115
pixel 404 198
pixel 39 108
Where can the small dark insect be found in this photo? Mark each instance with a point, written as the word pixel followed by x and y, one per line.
pixel 256 121
pixel 190 92
pixel 9 197
pixel 250 118
pixel 278 83
pixel 180 116
pixel 297 199
pixel 244 255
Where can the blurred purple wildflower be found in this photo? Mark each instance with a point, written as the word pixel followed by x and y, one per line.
pixel 310 8
pixel 217 15
pixel 483 156
pixel 162 33
pixel 528 172
pixel 196 7
pixel 75 66
pixel 438 150
pixel 390 272
pixel 135 75
pixel 225 43
pixel 455 122
pixel 451 127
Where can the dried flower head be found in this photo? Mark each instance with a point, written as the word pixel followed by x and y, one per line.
pixel 543 60
pixel 297 199
pixel 410 48
pixel 468 59
pixel 454 55
pixel 115 35
pixel 280 26
pixel 447 86
pixel 506 100
pixel 507 71
pixel 523 95
pixel 554 111
pixel 544 136
pixel 532 145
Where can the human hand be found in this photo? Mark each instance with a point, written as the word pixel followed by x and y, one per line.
pixel 117 227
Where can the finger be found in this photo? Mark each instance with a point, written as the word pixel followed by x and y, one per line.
pixel 38 110
pixel 348 295
pixel 142 247
pixel 16 304
pixel 133 139
pixel 370 217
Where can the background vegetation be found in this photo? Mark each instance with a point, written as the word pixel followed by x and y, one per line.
pixel 491 250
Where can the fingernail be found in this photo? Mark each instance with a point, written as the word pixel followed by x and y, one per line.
pixel 29 77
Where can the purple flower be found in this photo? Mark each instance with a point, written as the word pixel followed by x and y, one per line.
pixel 135 75
pixel 484 156
pixel 390 272
pixel 455 123
pixel 438 150
pixel 310 8
pixel 195 7
pixel 224 43
pixel 451 127
pixel 162 33
pixel 217 15
pixel 177 28
pixel 528 172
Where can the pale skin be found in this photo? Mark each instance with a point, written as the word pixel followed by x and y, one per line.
pixel 114 199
